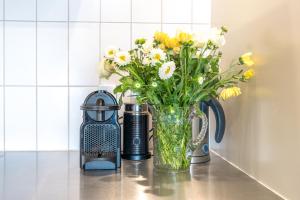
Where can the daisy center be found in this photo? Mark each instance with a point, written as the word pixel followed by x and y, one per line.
pixel 168 70
pixel 111 52
pixel 157 57
pixel 123 58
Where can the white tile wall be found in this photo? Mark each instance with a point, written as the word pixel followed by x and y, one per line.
pixel 84 10
pixel 1 9
pixel 51 49
pixel 52 10
pixel 20 10
pixel 201 11
pixel 20 118
pixel 115 34
pixel 20 53
pixel 1 53
pixel 144 30
pixel 52 119
pixel 173 28
pixel 115 10
pixel 1 120
pixel 52 54
pixel 146 11
pixel 84 53
pixel 177 11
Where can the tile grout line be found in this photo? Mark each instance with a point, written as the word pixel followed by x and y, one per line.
pixel 131 24
pixel 192 13
pixel 106 22
pixel 161 15
pixel 36 76
pixel 68 74
pixel 41 86
pixel 4 88
pixel 100 50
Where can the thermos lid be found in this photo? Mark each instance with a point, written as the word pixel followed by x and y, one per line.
pixel 136 108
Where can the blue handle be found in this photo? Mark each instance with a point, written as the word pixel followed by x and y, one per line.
pixel 220 118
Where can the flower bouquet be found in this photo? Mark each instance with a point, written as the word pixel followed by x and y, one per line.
pixel 173 74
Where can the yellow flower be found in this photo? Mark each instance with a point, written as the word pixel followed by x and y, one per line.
pixel 171 43
pixel 162 46
pixel 246 59
pixel 176 50
pixel 230 92
pixel 183 37
pixel 161 37
pixel 249 74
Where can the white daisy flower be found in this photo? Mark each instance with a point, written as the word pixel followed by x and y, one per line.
pixel 201 38
pixel 122 58
pixel 166 70
pixel 147 46
pixel 105 69
pixel 200 80
pixel 110 52
pixel 216 37
pixel 157 55
pixel 146 61
pixel 206 53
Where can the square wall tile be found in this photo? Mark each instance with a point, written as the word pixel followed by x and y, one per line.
pixel 84 10
pixel 200 27
pixel 52 53
pixel 52 10
pixel 115 11
pixel 77 97
pixel 115 34
pixel 172 29
pixel 1 9
pixel 52 118
pixel 84 53
pixel 201 11
pixel 20 53
pixel 20 118
pixel 177 11
pixel 1 121
pixel 146 11
pixel 1 53
pixel 20 9
pixel 144 31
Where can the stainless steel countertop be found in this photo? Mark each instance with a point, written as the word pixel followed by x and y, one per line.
pixel 56 175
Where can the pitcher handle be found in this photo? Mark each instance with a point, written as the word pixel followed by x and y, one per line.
pixel 196 142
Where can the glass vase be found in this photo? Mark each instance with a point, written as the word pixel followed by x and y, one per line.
pixel 173 142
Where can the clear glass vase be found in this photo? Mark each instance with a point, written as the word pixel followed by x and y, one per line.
pixel 173 142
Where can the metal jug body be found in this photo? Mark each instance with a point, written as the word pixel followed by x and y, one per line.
pixel 201 154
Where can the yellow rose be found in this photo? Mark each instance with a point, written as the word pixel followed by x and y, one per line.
pixel 176 50
pixel 183 37
pixel 171 43
pixel 162 46
pixel 230 92
pixel 160 37
pixel 248 74
pixel 246 59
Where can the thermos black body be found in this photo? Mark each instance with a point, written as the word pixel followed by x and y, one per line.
pixel 136 132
